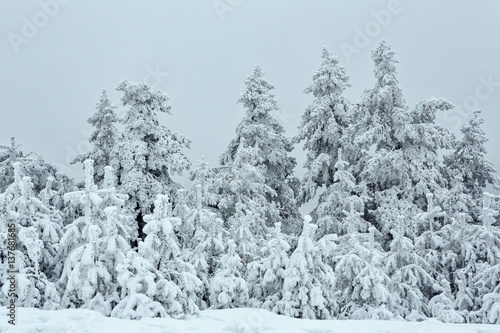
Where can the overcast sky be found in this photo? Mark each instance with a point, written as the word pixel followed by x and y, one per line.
pixel 58 55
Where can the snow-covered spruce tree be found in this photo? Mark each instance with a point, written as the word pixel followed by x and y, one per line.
pixel 308 288
pixel 197 203
pixel 34 289
pixel 91 248
pixel 429 244
pixel 32 164
pixel 338 198
pixel 372 144
pixel 207 248
pixel 422 143
pixel 361 282
pixel 459 259
pixel 228 288
pixel 260 128
pixel 323 125
pixel 243 204
pixel 394 149
pixel 161 248
pixel 103 138
pixel 469 161
pixel 266 276
pixel 39 231
pixel 140 283
pixel 486 241
pixel 410 274
pixel 204 176
pixel 146 154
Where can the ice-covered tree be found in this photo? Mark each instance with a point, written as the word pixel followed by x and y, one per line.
pixel 323 125
pixel 103 138
pixel 260 129
pixel 146 154
pixel 308 288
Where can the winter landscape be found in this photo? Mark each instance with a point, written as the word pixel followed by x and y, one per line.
pixel 375 215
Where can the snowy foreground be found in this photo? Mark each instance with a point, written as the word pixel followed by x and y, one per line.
pixel 234 320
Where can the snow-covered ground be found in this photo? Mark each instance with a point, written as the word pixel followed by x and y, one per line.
pixel 234 320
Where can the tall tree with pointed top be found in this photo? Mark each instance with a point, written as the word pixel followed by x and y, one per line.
pixel 469 161
pixel 323 125
pixel 103 138
pixel 147 154
pixel 260 128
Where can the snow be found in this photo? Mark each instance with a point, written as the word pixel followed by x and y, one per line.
pixel 243 320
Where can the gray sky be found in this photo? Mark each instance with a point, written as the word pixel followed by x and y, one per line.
pixel 57 56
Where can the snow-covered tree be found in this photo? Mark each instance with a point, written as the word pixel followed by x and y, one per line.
pixel 34 288
pixel 146 154
pixel 338 198
pixel 260 129
pixel 39 231
pixel 32 164
pixel 31 212
pixel 228 288
pixel 410 274
pixel 244 205
pixel 103 138
pixel 266 276
pixel 91 248
pixel 361 282
pixel 161 248
pixel 308 288
pixel 469 161
pixel 323 125
pixel 140 283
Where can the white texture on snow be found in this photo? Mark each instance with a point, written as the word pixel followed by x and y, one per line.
pixel 210 321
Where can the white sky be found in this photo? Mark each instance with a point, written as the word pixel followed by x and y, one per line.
pixel 52 75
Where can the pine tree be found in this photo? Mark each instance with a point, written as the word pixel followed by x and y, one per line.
pixel 259 129
pixel 103 138
pixel 323 125
pixel 146 154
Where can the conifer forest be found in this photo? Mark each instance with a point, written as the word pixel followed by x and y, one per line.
pixel 403 229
